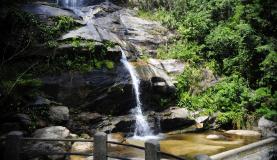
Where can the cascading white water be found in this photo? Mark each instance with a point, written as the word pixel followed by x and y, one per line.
pixel 71 4
pixel 142 127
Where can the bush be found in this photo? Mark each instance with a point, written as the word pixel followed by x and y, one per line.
pixel 269 70
pixel 184 50
pixel 228 97
pixel 195 25
pixel 161 15
pixel 223 46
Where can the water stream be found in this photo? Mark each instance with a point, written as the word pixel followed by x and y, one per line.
pixel 142 129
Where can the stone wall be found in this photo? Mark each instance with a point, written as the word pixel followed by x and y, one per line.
pixel 262 150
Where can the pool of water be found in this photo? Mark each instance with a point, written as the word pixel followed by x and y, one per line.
pixel 185 145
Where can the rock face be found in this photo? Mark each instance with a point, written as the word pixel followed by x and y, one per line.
pixel 59 114
pixel 170 66
pixel 103 91
pixel 106 91
pixel 109 91
pixel 108 22
pixel 244 132
pixel 267 127
pixel 47 11
pixel 158 77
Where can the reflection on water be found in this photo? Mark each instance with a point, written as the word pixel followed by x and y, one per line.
pixel 186 145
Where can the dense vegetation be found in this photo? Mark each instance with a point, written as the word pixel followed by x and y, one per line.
pixel 236 39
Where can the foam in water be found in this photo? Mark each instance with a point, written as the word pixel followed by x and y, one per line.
pixel 142 128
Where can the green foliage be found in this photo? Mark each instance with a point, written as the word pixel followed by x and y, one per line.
pixel 223 46
pixel 227 97
pixel 71 63
pixel 187 51
pixel 265 103
pixel 109 64
pixel 78 43
pixel 189 80
pixel 59 25
pixel 195 25
pixel 235 39
pixel 269 70
pixel 161 15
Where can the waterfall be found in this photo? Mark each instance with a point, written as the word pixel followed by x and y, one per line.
pixel 71 4
pixel 142 128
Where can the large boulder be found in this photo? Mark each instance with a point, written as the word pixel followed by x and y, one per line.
pixel 267 127
pixel 81 147
pixel 59 114
pixel 52 132
pixel 33 149
pixel 205 122
pixel 175 118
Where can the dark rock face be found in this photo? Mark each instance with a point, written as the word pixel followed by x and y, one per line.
pixel 108 91
pixel 103 91
pixel 47 11
pixel 124 124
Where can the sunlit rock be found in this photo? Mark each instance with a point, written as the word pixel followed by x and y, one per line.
pixel 244 132
pixel 216 137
